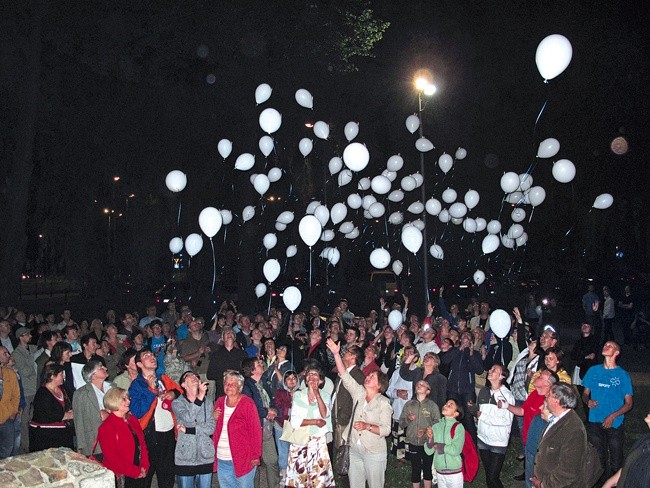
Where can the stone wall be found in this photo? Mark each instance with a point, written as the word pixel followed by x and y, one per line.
pixel 54 467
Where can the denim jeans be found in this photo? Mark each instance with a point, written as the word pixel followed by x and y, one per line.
pixel 227 478
pixel 607 441
pixel 7 437
pixel 198 480
pixel 283 448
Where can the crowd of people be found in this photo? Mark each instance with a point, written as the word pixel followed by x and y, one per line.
pixel 289 396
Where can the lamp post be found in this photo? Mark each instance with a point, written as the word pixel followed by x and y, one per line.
pixel 424 87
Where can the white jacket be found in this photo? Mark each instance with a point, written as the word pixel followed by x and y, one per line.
pixel 494 423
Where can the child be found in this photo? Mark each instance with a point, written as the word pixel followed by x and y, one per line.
pixel 418 415
pixel 446 451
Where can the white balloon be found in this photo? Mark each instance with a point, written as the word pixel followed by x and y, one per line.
pixel 305 146
pixel 262 94
pixel 553 55
pixel 548 148
pixel 457 210
pixel 224 147
pixel 327 235
pixel 338 213
pixel 469 225
pixel 345 177
pixel 424 145
pixel 248 213
pixel 354 201
pixel 380 258
pixel 266 145
pixel 494 227
pixel 536 195
pixel 176 245
pixel 274 174
pixel 291 298
pixel 461 153
pixel 322 213
pixel 412 123
pixel 433 206
pixel 507 242
pixel 418 224
pixel 518 215
pixel 321 130
pixel 285 217
pixel 270 120
pixel 252 177
pixel 509 182
pixel 411 238
pixel 408 183
pixel 490 243
pixel 525 181
pixel 279 226
pixel 352 235
pixel 471 198
pixel 380 185
pixel 445 162
pixel 479 277
pixel 516 197
pixel 309 229
pixel 210 221
pixel 397 267
pixel 261 184
pixel 419 179
pixel 396 218
pixel 396 196
pixel 376 210
pixel 346 227
pixel 333 256
pixel 515 231
pixel 269 241
pixel 456 220
pixel 500 323
pixel 416 208
pixel 437 252
pixel 395 163
pixel 311 208
pixel 351 130
pixel 335 165
pixel 176 181
pixel 245 162
pixel 260 290
pixel 364 184
pixel 356 156
pixel 444 216
pixel 449 195
pixel 226 216
pixel 521 240
pixel 292 250
pixel 304 98
pixel 271 270
pixel 395 319
pixel 603 201
pixel 481 224
pixel 367 201
pixel 193 244
pixel 391 175
pixel 564 171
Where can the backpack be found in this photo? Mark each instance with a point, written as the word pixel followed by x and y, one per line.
pixel 469 455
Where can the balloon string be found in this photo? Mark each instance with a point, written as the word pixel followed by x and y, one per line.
pixel 268 312
pixel 531 215
pixel 225 233
pixel 310 259
pixel 386 228
pixel 214 267
pixel 178 219
pixel 540 115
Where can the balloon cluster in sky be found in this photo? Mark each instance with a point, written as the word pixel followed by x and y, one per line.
pixel 375 193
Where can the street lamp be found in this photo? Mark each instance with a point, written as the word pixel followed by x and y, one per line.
pixel 424 86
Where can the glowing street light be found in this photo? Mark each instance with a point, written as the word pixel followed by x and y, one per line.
pixel 424 86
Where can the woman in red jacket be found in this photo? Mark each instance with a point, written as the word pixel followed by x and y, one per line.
pixel 239 445
pixel 122 440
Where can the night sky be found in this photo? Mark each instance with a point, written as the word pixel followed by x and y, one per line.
pixel 136 91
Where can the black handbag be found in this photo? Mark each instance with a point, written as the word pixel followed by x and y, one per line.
pixel 342 462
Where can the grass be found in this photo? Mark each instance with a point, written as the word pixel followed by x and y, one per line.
pixel 399 475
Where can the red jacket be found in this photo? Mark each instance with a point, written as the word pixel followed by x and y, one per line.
pixel 244 434
pixel 118 447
